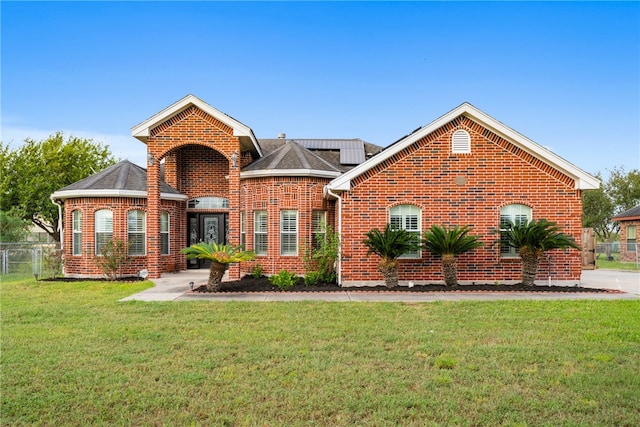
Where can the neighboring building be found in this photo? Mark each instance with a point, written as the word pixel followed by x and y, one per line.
pixel 629 225
pixel 209 178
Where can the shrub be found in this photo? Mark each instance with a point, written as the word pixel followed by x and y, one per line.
pixel 257 271
pixel 312 278
pixel 283 280
pixel 54 261
pixel 115 254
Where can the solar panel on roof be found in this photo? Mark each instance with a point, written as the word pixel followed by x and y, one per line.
pixel 351 150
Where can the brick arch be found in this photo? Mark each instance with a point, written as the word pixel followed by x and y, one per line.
pixel 197 170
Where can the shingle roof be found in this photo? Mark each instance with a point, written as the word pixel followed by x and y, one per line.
pixel 291 157
pixel 124 176
pixel 344 154
pixel 631 213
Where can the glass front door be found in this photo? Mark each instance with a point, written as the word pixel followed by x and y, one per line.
pixel 209 228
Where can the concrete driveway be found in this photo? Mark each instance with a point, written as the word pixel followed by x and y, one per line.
pixel 626 281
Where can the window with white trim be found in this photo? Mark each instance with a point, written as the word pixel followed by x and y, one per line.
pixel 103 228
pixel 631 238
pixel 318 228
pixel 407 217
pixel 289 232
pixel 461 142
pixel 164 233
pixel 518 215
pixel 137 232
pixel 77 232
pixel 260 232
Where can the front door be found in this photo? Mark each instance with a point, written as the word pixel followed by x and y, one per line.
pixel 209 228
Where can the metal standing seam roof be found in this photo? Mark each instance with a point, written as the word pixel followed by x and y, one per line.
pixel 351 150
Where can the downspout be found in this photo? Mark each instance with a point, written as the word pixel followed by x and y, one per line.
pixel 60 230
pixel 328 191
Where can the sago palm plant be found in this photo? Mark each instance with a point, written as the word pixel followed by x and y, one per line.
pixel 220 256
pixel 448 243
pixel 389 245
pixel 532 240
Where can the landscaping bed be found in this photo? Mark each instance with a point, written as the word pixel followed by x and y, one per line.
pixel 262 284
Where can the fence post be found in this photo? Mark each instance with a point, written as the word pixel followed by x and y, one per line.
pixel 5 263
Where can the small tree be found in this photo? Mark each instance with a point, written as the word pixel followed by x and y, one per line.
pixel 389 245
pixel 448 243
pixel 114 255
pixel 220 256
pixel 532 240
pixel 320 261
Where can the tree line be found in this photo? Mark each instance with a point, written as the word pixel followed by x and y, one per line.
pixel 36 169
pixel 619 193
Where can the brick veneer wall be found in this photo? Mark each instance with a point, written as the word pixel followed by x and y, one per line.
pixel 197 149
pixel 274 194
pixel 459 189
pixel 85 264
pixel 626 254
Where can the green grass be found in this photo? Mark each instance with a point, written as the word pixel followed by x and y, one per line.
pixel 603 263
pixel 73 355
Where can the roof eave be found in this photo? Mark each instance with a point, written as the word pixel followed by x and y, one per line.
pixel 289 172
pixel 74 194
pixel 142 130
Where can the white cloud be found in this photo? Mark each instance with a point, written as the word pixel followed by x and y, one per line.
pixel 122 146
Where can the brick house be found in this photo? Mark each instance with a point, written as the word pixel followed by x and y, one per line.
pixel 208 178
pixel 629 224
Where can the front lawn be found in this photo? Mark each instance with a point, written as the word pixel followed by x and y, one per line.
pixel 73 355
pixel 603 263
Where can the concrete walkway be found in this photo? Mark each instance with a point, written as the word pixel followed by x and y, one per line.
pixel 174 287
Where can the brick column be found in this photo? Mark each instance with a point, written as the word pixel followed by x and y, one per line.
pixel 153 217
pixel 234 213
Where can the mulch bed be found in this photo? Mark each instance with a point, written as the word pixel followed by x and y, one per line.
pixel 262 284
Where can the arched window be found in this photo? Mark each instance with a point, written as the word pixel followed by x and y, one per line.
pixel 516 214
pixel 103 228
pixel 164 233
pixel 136 232
pixel 77 232
pixel 461 142
pixel 407 217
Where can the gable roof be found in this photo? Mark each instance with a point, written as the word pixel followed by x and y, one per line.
pixel 583 180
pixel 248 140
pixel 291 159
pixel 631 214
pixel 124 179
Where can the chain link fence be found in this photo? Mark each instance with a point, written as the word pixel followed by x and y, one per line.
pixel 616 251
pixel 41 260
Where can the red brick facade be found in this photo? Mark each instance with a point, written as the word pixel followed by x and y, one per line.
pixel 203 156
pixel 459 189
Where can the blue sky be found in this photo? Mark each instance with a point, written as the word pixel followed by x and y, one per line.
pixel 566 75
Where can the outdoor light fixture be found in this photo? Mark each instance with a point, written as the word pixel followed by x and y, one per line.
pixel 234 158
pixel 150 158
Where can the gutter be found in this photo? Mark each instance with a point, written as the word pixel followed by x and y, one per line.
pixel 327 191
